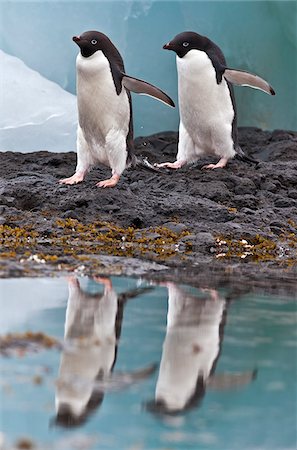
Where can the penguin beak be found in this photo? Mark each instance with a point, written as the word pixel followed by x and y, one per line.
pixel 76 39
pixel 167 46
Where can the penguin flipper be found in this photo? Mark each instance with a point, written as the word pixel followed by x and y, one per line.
pixel 242 78
pixel 145 88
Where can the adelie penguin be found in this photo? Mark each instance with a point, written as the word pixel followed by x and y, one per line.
pixel 208 119
pixel 105 129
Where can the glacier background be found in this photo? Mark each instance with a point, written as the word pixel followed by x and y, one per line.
pixel 38 112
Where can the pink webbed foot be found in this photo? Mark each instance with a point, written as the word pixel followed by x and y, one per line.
pixel 214 295
pixel 222 163
pixel 76 178
pixel 111 182
pixel 169 165
pixel 103 280
pixel 72 280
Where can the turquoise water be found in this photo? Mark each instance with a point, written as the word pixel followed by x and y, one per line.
pixel 148 394
pixel 259 36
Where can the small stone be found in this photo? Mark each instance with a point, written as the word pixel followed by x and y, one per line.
pixel 269 186
pixel 152 236
pixel 70 214
pixel 8 200
pixel 283 203
pixel 276 230
pixel 134 185
pixel 175 227
pixel 189 237
pixel 292 193
pixel 137 222
pixel 246 186
pixel 277 224
pixel 204 239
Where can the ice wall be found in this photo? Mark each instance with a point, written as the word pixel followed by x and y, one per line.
pixel 35 113
pixel 257 36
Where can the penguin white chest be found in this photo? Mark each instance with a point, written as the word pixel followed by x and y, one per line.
pixel 206 109
pixel 101 110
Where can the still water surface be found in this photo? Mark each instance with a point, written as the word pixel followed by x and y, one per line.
pixel 145 366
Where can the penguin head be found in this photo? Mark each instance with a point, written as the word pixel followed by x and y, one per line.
pixel 186 41
pixel 92 41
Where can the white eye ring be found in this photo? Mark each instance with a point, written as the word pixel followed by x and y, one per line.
pixel 93 41
pixel 185 44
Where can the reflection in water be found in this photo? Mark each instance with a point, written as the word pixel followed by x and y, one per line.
pixel 92 331
pixel 195 328
pixel 260 332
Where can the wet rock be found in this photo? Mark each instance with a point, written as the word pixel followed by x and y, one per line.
pixel 276 230
pixel 245 186
pixel 152 236
pixel 111 208
pixel 70 214
pixel 175 227
pixel 292 193
pixel 278 224
pixel 7 201
pixel 204 240
pixel 137 222
pixel 188 238
pixel 241 200
pixel 269 186
pixel 246 201
pixel 282 202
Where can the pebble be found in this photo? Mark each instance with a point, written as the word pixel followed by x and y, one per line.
pixel 283 202
pixel 292 193
pixel 8 200
pixel 175 227
pixel 204 239
pixel 111 208
pixel 71 215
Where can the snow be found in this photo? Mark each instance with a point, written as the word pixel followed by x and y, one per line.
pixel 36 113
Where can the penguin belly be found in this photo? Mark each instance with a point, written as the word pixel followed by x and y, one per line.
pixel 206 110
pixel 103 114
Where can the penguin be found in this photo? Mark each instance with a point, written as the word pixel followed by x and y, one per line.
pixel 105 128
pixel 191 349
pixel 92 332
pixel 208 117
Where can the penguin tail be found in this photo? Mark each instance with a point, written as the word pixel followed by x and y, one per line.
pixel 144 162
pixel 243 157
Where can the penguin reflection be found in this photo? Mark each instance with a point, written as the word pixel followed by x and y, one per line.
pixel 191 350
pixel 92 330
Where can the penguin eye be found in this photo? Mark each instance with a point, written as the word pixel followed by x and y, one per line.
pixel 93 41
pixel 185 44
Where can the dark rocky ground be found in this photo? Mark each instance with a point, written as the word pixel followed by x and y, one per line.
pixel 240 220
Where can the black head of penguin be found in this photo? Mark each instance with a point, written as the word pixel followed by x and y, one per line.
pixel 189 40
pixel 92 41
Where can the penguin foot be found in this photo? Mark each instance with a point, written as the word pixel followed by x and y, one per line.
pixel 222 163
pixel 76 178
pixel 111 182
pixel 103 280
pixel 72 280
pixel 169 165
